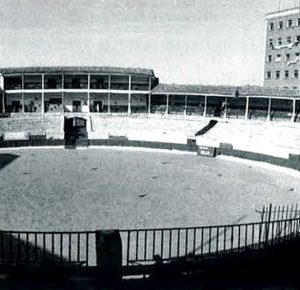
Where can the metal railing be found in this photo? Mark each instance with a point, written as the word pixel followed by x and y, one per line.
pixel 147 246
pixel 279 212
pixel 47 247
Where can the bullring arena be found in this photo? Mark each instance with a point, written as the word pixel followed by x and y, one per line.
pixel 142 162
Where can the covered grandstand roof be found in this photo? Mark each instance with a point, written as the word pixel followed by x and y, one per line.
pixel 77 69
pixel 223 90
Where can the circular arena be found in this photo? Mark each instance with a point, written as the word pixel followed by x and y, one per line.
pixel 115 188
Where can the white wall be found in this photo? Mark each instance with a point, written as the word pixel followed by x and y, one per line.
pixel 1 82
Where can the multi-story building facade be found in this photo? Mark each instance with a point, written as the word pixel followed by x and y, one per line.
pixel 76 89
pixel 91 91
pixel 282 52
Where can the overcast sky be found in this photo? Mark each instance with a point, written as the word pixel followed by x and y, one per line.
pixel 184 41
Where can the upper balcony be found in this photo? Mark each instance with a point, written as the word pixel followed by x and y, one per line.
pixel 79 78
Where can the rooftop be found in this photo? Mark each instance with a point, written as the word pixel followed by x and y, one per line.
pixel 77 69
pixel 223 90
pixel 282 13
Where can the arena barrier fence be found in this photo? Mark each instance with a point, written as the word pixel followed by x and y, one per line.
pixel 148 246
pixel 279 212
pixel 133 248
pixel 47 247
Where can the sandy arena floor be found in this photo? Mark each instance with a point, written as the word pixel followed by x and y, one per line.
pixel 58 189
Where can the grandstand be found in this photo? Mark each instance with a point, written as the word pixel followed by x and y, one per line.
pixel 270 138
pixel 132 104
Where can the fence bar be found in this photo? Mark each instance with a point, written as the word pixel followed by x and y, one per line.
pixel 217 241
pixel 252 236
pixel 282 212
pixel 153 245
pixel 224 246
pixel 278 224
pixel 128 248
pixel 78 247
pixel 209 239
pixel 284 237
pixel 70 244
pixel 137 245
pixel 87 249
pixel 194 241
pixel 274 213
pixel 272 234
pixel 186 241
pixel 202 232
pixel 239 237
pixel 145 245
pixel 61 246
pixel 162 244
pixel 263 214
pixel 246 236
pixel 231 246
pixel 268 225
pixel 178 242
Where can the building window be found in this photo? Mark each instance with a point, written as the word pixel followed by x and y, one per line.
pixel 297 56
pixel 298 38
pixel 269 75
pixel 290 23
pixel 296 73
pixel 278 58
pixel 280 25
pixel 298 22
pixel 286 74
pixel 271 26
pixel 277 74
pixel 289 39
pixel 288 57
pixel 270 42
pixel 269 58
pixel 279 41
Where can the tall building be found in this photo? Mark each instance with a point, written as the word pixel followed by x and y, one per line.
pixel 282 53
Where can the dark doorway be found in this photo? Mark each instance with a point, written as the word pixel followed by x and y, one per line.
pixel 16 106
pixel 75 132
pixel 76 106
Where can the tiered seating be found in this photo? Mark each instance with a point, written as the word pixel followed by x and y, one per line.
pixel 145 129
pixel 277 139
pixel 51 126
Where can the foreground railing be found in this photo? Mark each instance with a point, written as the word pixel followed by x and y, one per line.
pixel 146 246
pixel 279 212
pixel 135 247
pixel 47 247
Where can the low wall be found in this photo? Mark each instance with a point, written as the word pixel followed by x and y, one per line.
pixel 31 142
pixel 42 141
pixel 292 162
pixel 143 144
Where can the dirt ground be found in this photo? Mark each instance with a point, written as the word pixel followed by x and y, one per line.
pixel 58 189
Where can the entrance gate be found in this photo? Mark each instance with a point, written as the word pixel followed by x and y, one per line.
pixel 75 132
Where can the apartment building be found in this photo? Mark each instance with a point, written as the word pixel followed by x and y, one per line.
pixel 282 52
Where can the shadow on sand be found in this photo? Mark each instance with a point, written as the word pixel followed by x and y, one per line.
pixel 6 159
